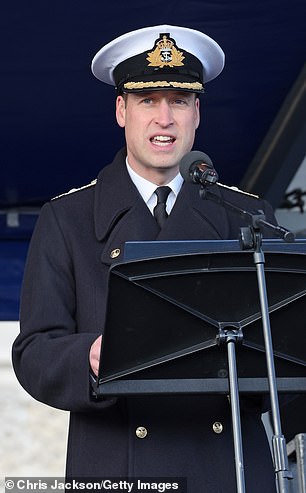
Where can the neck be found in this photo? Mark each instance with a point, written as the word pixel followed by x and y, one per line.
pixel 158 176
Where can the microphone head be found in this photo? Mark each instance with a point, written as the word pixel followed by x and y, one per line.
pixel 190 161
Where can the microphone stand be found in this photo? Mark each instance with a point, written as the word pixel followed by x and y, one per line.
pixel 251 239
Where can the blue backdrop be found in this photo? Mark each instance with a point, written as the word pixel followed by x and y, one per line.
pixel 58 123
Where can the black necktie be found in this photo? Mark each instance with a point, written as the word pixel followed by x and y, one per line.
pixel 159 211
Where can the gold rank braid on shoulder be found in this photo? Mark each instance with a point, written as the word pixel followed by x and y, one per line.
pixel 236 189
pixel 73 190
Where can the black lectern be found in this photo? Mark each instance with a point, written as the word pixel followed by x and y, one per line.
pixel 191 322
pixel 167 313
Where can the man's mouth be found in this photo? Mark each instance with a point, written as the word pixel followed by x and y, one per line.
pixel 162 140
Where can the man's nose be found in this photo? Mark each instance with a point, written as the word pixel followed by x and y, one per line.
pixel 164 114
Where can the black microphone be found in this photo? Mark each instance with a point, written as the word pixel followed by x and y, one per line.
pixel 197 167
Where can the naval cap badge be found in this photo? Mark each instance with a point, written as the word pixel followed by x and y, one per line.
pixel 165 53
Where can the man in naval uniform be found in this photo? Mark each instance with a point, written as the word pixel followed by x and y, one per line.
pixel 159 73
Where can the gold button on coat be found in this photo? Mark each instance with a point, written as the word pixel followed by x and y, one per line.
pixel 115 253
pixel 141 432
pixel 217 427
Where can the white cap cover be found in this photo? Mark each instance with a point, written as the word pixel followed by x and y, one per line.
pixel 159 57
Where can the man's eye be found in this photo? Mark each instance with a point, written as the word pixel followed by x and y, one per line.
pixel 147 100
pixel 180 101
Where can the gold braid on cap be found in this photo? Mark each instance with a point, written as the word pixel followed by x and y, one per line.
pixel 196 86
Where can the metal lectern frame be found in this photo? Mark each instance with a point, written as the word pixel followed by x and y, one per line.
pixel 152 279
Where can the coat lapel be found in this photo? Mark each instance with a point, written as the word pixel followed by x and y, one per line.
pixel 121 215
pixel 195 219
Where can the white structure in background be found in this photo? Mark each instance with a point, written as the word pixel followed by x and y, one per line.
pixel 294 219
pixel 33 435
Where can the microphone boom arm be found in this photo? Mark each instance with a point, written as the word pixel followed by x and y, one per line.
pixel 255 219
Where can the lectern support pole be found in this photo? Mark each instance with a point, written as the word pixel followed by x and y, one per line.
pixel 278 441
pixel 251 238
pixel 231 337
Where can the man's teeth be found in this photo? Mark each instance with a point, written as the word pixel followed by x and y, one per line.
pixel 162 140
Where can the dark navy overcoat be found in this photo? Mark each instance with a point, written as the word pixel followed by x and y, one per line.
pixel 63 310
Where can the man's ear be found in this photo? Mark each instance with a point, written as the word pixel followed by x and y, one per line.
pixel 198 118
pixel 120 111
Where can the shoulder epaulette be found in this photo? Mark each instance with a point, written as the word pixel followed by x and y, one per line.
pixel 236 189
pixel 73 190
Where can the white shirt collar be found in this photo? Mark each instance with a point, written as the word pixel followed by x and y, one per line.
pixel 146 188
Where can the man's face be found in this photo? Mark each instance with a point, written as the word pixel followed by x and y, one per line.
pixel 159 129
